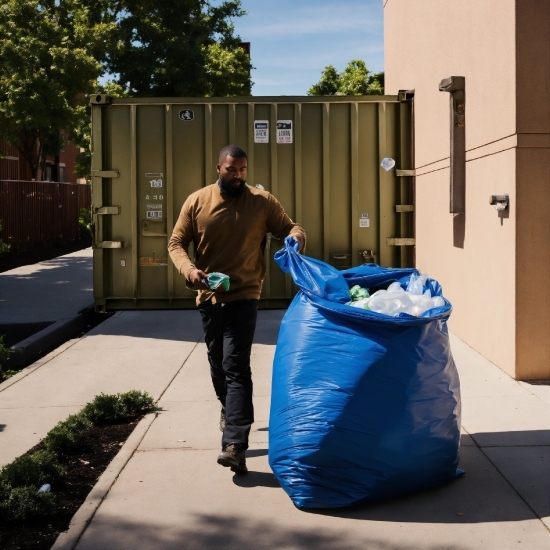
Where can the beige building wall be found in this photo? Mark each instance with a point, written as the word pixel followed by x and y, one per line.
pixel 494 269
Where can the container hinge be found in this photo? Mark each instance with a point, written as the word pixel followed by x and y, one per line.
pixel 106 173
pixel 100 99
pixel 405 173
pixel 110 244
pixel 400 242
pixel 110 210
pixel 404 208
pixel 405 95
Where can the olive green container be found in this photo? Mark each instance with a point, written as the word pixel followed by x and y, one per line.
pixel 319 156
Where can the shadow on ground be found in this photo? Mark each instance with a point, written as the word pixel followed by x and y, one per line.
pixel 183 325
pixel 206 532
pixel 483 495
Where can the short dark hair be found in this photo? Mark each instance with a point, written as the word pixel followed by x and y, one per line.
pixel 232 151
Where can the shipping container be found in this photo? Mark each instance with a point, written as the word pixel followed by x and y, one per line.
pixel 320 156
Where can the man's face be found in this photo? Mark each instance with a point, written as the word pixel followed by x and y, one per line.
pixel 233 171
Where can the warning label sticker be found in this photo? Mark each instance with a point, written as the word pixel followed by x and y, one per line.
pixel 261 131
pixel 364 220
pixel 284 131
pixel 153 261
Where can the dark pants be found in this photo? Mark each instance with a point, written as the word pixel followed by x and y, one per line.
pixel 228 333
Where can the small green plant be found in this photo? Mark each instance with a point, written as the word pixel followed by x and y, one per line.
pixel 32 470
pixel 110 409
pixel 135 403
pixel 4 350
pixel 3 246
pixel 23 503
pixel 84 221
pixel 66 437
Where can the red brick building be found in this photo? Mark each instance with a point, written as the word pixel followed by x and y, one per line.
pixel 60 168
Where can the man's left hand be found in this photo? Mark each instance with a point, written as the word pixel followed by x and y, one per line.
pixel 300 240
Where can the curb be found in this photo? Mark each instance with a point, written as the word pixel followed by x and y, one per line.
pixel 84 515
pixel 36 365
pixel 32 348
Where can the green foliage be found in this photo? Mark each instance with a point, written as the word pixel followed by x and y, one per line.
pixel 227 71
pixel 49 53
pixel 23 503
pixel 134 402
pixel 84 221
pixel 3 246
pixel 66 436
pixel 32 470
pixel 4 350
pixel 83 130
pixel 21 479
pixel 110 409
pixel 178 48
pixel 355 79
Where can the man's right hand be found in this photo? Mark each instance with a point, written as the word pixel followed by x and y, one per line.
pixel 197 279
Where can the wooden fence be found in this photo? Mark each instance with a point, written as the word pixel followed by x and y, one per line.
pixel 36 212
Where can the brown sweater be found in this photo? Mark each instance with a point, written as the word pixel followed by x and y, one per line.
pixel 227 235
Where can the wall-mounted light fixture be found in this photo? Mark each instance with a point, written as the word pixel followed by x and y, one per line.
pixel 500 202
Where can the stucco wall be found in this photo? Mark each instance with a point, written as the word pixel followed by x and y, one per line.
pixel 491 281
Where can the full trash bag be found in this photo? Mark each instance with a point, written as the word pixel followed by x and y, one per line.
pixel 364 406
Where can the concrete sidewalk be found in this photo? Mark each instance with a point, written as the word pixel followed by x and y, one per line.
pixel 168 492
pixel 42 305
pixel 48 291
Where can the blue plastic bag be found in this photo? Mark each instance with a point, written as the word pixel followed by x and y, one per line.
pixel 364 406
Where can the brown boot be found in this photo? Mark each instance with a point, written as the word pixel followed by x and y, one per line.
pixel 234 457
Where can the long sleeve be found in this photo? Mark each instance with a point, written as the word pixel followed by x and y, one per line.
pixel 182 237
pixel 281 226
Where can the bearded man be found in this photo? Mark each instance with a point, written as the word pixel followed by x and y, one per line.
pixel 227 223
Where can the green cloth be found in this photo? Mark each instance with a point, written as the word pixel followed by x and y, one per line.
pixel 216 280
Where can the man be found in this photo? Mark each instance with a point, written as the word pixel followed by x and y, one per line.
pixel 227 223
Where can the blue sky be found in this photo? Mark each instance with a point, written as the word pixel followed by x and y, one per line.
pixel 293 40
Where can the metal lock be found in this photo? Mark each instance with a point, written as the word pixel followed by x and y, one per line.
pixel 368 256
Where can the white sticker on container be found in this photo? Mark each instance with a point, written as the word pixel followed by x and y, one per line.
pixel 364 220
pixel 156 183
pixel 154 214
pixel 284 131
pixel 261 131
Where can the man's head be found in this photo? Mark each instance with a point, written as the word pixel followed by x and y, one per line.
pixel 232 166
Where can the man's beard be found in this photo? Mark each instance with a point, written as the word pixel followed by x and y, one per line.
pixel 228 190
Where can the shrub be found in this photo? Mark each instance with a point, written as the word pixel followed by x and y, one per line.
pixel 3 246
pixel 135 403
pixel 4 354
pixel 21 503
pixel 84 221
pixel 21 479
pixel 102 410
pixel 32 470
pixel 110 409
pixel 66 436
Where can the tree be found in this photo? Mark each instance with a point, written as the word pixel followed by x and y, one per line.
pixel 178 48
pixel 49 52
pixel 355 79
pixel 82 133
